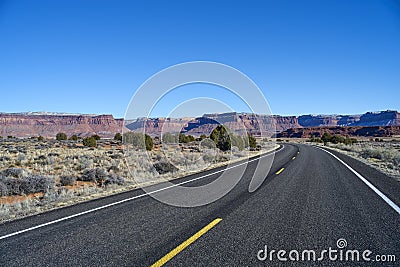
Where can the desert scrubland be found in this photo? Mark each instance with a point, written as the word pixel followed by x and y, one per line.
pixel 381 153
pixel 39 175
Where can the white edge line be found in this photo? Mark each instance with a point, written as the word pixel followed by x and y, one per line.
pixel 132 198
pixel 376 190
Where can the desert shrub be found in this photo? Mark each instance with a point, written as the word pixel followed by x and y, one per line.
pixel 96 137
pixel 165 167
pixel 51 160
pixel 252 141
pixel 67 180
pixel 118 137
pixel 4 158
pixel 221 158
pixel 384 154
pixel 220 136
pixel 3 189
pixel 40 138
pixel 336 139
pixel 148 142
pixel 12 185
pixel 235 149
pixel 116 156
pixel 74 137
pixel 114 180
pixel 12 150
pixel 90 142
pixel 41 157
pixel 185 138
pixel 238 142
pixel 345 148
pixel 85 162
pixel 203 136
pixel 326 137
pixel 21 157
pixel 207 143
pixel 53 154
pixel 35 184
pixel 135 139
pixel 28 185
pixel 169 138
pixel 369 152
pixel 61 136
pixel 208 157
pixel 350 141
pixel 396 161
pixel 113 168
pixel 93 175
pixel 14 172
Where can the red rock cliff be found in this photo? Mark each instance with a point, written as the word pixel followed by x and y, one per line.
pixel 23 125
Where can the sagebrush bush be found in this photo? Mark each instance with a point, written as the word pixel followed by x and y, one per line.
pixel 67 180
pixel 41 157
pixel 3 189
pixel 94 175
pixel 35 184
pixel 4 158
pixel 113 168
pixel 397 160
pixel 164 167
pixel 208 157
pixel 14 172
pixel 369 152
pixel 12 185
pixel 28 185
pixel 114 180
pixel 380 153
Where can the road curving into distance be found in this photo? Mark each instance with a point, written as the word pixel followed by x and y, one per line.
pixel 309 200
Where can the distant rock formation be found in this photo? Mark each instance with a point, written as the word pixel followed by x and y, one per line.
pixel 384 118
pixel 255 124
pixel 28 125
pixel 381 118
pixel 351 131
pixel 49 124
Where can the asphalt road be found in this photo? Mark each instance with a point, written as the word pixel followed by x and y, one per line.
pixel 308 201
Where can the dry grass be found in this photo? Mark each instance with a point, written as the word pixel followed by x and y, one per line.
pixel 382 155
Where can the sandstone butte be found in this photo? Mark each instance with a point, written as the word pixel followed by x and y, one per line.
pixel 383 123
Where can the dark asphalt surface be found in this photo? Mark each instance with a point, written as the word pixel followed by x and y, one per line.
pixel 310 205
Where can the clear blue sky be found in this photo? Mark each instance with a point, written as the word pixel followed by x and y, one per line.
pixel 306 56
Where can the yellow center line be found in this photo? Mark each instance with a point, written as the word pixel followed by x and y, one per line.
pixel 185 244
pixel 281 170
